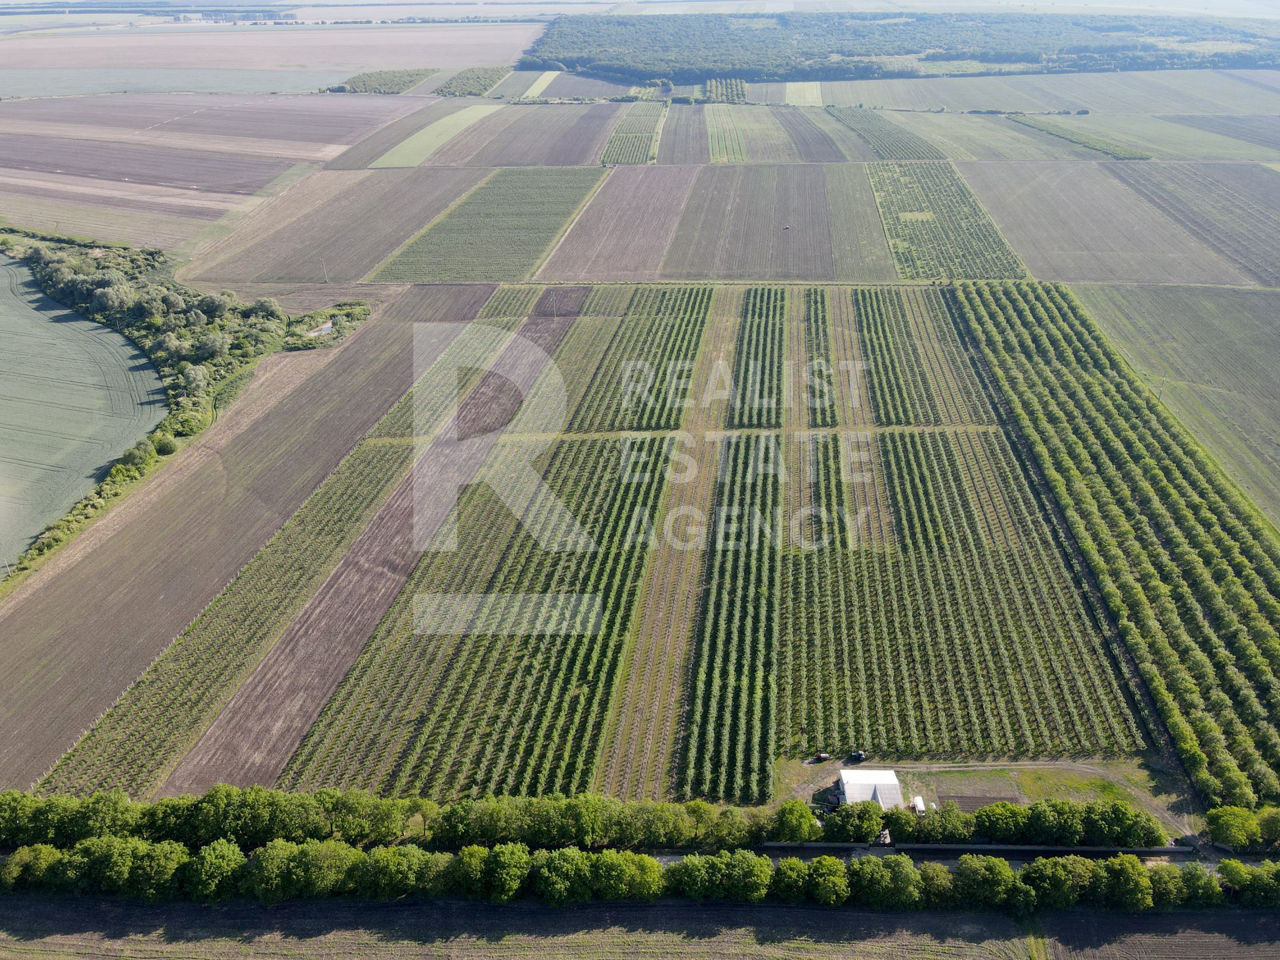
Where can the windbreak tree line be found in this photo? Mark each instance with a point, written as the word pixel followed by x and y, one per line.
pixel 252 817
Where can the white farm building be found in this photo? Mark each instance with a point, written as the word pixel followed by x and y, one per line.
pixel 860 785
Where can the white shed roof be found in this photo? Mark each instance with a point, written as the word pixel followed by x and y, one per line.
pixel 881 786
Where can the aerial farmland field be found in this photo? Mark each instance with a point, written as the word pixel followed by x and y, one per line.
pixel 559 452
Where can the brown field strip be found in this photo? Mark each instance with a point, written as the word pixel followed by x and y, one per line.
pixel 812 143
pixel 624 231
pixel 341 928
pixel 336 225
pixel 684 136
pixel 1070 220
pixel 541 135
pixel 640 748
pixel 135 163
pixel 261 726
pixel 106 222
pixel 73 639
pixel 376 144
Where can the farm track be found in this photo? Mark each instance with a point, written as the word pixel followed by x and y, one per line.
pixel 73 640
pixel 637 761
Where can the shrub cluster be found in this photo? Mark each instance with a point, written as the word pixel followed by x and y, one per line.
pixel 1244 829
pixel 253 816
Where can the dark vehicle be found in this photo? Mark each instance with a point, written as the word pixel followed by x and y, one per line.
pixel 856 757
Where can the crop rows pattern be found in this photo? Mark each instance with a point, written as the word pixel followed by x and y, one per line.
pixel 642 380
pixel 936 227
pixel 726 90
pixel 484 709
pixel 633 139
pixel 820 394
pixel 758 360
pixel 728 751
pixel 966 639
pixel 1190 572
pixel 510 300
pixel 158 718
pixel 888 140
pixel 919 374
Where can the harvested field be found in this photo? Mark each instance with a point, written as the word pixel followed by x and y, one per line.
pixel 1263 131
pixel 684 136
pixel 1233 209
pixel 1211 355
pixel 1163 139
pixel 418 147
pixel 348 50
pixel 106 222
pixel 76 395
pixel 754 222
pixel 372 147
pixel 339 929
pixel 979 137
pixel 543 135
pixel 335 226
pixel 519 83
pixel 1074 221
pixel 1139 92
pixel 747 134
pixel 161 166
pixel 812 143
pixel 805 94
pixel 624 232
pixel 500 231
pixel 801 221
pixel 175 542
pixel 767 92
pixel 568 86
pixel 306 119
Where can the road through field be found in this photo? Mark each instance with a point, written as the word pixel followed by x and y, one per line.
pixel 78 633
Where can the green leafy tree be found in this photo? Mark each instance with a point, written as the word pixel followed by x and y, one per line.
pixel 790 880
pixel 828 881
pixel 1235 827
pixel 794 822
pixel 853 823
pixel 214 872
pixel 506 868
pixel 561 876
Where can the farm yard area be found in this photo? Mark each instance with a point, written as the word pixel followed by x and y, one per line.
pixel 505 419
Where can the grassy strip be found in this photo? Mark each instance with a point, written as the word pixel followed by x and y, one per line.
pixel 416 148
pixel 1065 132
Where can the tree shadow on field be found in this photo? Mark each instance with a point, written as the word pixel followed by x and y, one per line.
pixel 1181 934
pixel 30 919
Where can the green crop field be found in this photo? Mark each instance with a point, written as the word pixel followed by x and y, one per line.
pixel 635 138
pixel 936 227
pixel 499 231
pixel 76 395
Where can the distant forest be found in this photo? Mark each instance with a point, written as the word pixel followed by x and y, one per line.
pixel 845 46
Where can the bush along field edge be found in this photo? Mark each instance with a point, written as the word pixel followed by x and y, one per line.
pixel 204 347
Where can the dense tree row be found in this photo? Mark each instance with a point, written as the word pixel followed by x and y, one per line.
pixel 472 82
pixel 1187 568
pixel 382 81
pixel 254 816
pixel 729 748
pixel 820 387
pixel 887 140
pixel 841 46
pixel 758 360
pixel 281 870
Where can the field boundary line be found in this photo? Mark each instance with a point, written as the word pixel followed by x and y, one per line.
pixel 658 128
pixel 457 202
pixel 566 227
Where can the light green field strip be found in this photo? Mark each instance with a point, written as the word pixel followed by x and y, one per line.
pixel 538 86
pixel 805 94
pixel 414 150
pixel 499 231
